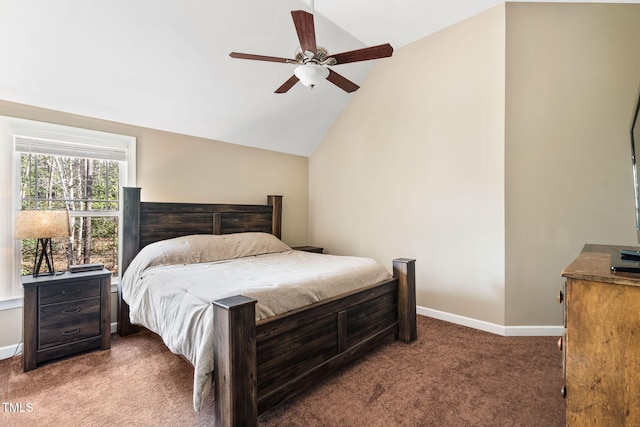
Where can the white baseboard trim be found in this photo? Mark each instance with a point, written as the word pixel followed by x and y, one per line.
pixel 507 331
pixel 535 331
pixel 10 351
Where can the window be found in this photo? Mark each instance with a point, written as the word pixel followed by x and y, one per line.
pixel 60 167
pixel 88 190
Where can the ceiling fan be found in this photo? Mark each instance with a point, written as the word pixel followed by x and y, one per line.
pixel 314 61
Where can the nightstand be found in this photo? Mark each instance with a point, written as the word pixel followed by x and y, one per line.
pixel 65 314
pixel 309 249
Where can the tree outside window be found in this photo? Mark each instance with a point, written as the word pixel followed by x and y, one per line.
pixel 89 190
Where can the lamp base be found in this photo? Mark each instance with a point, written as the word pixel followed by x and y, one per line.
pixel 43 251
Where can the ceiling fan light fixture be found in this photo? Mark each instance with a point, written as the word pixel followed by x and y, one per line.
pixel 311 74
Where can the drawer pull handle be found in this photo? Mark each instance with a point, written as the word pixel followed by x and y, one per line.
pixel 75 310
pixel 72 332
pixel 70 292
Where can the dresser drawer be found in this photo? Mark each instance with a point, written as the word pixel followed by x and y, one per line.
pixel 68 291
pixel 67 322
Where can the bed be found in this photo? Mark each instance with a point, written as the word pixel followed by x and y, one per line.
pixel 261 358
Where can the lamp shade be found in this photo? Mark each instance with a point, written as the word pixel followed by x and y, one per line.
pixel 311 74
pixel 38 224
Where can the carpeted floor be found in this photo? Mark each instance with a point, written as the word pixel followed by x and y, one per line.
pixel 452 376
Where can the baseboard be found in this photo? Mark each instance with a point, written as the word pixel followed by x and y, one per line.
pixel 534 331
pixel 10 351
pixel 508 331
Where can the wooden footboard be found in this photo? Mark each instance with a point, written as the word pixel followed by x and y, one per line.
pixel 257 366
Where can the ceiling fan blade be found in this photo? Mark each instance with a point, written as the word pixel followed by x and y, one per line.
pixel 341 82
pixel 287 85
pixel 365 54
pixel 239 55
pixel 303 22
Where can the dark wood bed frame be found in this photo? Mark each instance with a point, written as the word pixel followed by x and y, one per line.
pixel 260 364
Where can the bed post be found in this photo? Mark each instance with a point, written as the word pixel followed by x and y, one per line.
pixel 234 361
pixel 405 270
pixel 276 218
pixel 130 247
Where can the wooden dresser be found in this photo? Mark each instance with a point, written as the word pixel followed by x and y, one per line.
pixel 601 346
pixel 65 314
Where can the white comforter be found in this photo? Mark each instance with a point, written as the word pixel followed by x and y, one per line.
pixel 170 285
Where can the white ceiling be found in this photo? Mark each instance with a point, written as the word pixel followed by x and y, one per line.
pixel 164 64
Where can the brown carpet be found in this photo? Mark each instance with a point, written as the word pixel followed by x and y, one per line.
pixel 452 376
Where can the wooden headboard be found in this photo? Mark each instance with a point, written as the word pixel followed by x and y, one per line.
pixel 147 222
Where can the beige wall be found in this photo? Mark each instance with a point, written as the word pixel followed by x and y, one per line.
pixel 504 139
pixel 573 71
pixel 172 167
pixel 414 167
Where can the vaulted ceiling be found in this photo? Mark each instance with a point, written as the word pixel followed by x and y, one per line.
pixel 165 64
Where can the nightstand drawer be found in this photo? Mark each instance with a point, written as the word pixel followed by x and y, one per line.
pixel 67 322
pixel 69 291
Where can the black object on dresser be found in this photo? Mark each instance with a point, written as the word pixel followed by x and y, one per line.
pixel 64 314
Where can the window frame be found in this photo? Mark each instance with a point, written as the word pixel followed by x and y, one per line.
pixel 66 141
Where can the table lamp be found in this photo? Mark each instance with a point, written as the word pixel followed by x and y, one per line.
pixel 42 225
